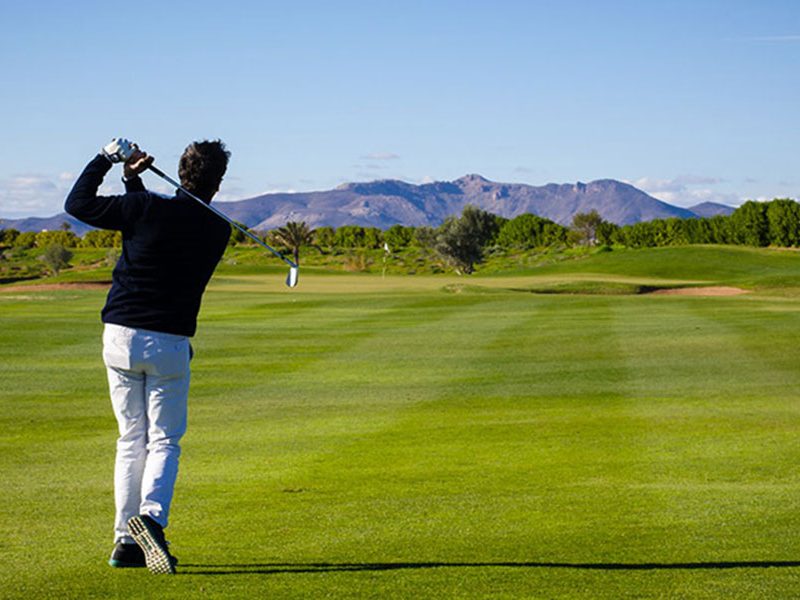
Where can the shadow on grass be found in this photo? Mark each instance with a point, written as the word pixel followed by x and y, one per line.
pixel 275 568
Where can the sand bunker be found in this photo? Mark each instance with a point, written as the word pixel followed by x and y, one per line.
pixel 701 291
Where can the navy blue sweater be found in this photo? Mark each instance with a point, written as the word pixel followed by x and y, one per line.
pixel 170 248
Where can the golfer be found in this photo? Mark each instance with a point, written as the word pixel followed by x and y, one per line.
pixel 170 248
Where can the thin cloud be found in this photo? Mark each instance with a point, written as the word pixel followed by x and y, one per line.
pixel 686 190
pixel 29 195
pixel 523 171
pixel 278 191
pixel 229 193
pixel 697 180
pixel 380 156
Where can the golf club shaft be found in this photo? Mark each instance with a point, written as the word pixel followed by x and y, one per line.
pixel 221 215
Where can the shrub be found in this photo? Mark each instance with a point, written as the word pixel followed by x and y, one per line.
pixel 26 239
pixel 56 257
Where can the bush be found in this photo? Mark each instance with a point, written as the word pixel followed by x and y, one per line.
pixel 424 237
pixel 398 236
pixel 324 236
pixel 8 236
pixel 112 256
pixel 56 257
pixel 102 238
pixel 26 239
pixel 530 231
pixel 67 239
pixel 356 236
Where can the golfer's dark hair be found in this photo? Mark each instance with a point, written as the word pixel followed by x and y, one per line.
pixel 202 167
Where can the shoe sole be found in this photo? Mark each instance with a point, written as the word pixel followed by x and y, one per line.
pixel 156 556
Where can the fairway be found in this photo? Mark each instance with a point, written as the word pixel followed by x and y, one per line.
pixel 430 437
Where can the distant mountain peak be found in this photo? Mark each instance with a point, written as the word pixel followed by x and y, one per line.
pixel 379 187
pixel 609 184
pixel 711 209
pixel 472 178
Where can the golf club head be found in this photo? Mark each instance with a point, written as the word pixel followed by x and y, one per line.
pixel 291 278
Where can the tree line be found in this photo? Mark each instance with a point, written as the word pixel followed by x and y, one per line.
pixel 461 241
pixel 760 224
pixel 96 238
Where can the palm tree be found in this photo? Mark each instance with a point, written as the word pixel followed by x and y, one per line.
pixel 293 236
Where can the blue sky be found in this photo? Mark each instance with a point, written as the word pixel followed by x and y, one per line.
pixel 690 101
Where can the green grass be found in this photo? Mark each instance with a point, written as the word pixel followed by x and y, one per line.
pixel 431 437
pixel 732 265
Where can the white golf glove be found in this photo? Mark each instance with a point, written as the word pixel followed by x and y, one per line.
pixel 118 150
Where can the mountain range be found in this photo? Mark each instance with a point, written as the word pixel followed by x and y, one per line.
pixel 388 202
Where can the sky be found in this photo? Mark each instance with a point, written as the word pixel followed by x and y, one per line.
pixel 690 101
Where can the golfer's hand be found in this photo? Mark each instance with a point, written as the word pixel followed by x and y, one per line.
pixel 138 162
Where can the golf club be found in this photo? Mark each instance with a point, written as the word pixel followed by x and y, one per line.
pixel 291 278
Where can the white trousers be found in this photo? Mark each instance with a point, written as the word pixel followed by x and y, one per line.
pixel 148 378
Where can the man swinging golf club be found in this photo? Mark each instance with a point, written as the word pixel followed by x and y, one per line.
pixel 170 248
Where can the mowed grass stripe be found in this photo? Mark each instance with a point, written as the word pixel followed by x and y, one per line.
pixel 362 371
pixel 280 447
pixel 459 460
pixel 276 417
pixel 706 347
pixel 699 420
pixel 285 340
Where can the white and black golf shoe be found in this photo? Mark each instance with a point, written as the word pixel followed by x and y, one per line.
pixel 150 537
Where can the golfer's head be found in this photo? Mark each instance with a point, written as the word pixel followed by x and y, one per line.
pixel 202 166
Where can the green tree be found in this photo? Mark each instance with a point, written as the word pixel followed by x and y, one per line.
pixel 26 239
pixel 636 235
pixel 237 236
pixel 606 231
pixel 783 218
pixel 398 236
pixel 293 236
pixel 697 231
pixel 349 236
pixel 530 231
pixel 584 226
pixel 460 241
pixel 670 232
pixel 59 237
pixel 719 230
pixel 324 236
pixel 8 236
pixel 424 237
pixel 56 257
pixel 373 237
pixel 499 223
pixel 101 238
pixel 749 225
